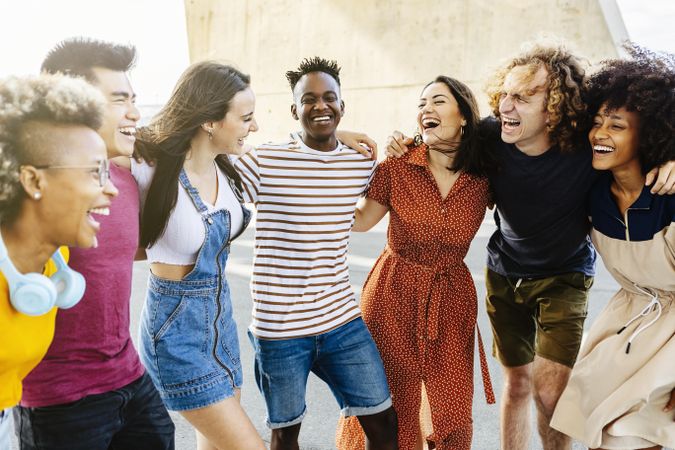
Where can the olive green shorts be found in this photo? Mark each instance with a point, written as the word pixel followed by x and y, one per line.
pixel 542 316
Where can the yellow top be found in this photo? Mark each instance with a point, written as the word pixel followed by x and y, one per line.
pixel 24 341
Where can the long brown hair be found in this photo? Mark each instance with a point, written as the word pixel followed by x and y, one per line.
pixel 203 94
pixel 469 157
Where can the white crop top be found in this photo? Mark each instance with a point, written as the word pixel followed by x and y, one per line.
pixel 184 233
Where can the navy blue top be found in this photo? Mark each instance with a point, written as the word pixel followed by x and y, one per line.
pixel 541 213
pixel 647 216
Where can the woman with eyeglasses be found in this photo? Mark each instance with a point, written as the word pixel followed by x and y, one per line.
pixel 621 393
pixel 53 182
pixel 191 210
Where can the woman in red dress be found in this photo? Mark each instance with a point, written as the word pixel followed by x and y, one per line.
pixel 419 300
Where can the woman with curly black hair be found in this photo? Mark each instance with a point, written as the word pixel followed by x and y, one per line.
pixel 622 389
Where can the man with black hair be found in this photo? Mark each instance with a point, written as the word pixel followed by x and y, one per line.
pixel 305 315
pixel 91 391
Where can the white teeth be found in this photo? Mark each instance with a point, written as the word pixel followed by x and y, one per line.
pixel 603 148
pixel 100 211
pixel 129 131
pixel 430 122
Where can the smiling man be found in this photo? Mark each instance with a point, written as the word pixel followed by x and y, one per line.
pixel 305 315
pixel 91 391
pixel 540 260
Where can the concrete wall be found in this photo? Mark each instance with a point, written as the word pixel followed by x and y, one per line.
pixel 388 49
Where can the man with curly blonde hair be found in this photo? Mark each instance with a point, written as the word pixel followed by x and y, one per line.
pixel 540 259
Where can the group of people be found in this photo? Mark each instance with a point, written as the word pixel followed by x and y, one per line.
pixel 573 163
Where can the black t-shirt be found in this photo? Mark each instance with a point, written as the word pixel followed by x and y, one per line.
pixel 541 213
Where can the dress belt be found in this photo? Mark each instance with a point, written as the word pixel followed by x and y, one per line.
pixel 430 310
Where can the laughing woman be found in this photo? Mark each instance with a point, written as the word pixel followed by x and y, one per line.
pixel 622 390
pixel 191 211
pixel 53 175
pixel 419 300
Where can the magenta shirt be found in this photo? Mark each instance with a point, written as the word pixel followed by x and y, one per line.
pixel 92 352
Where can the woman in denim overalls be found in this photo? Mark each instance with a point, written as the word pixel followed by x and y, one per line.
pixel 191 212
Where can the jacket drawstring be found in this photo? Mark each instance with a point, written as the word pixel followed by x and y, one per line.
pixel 653 304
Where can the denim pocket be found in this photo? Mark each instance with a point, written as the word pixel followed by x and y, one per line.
pixel 167 310
pixel 182 340
pixel 229 342
pixel 183 321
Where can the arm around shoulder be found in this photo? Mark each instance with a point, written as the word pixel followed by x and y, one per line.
pixel 368 214
pixel 663 178
pixel 360 142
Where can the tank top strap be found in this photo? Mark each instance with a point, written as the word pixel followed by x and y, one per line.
pixel 192 192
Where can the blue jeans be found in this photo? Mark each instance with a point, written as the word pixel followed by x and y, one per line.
pixel 346 358
pixel 130 418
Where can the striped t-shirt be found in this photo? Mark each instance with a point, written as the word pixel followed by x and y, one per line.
pixel 305 202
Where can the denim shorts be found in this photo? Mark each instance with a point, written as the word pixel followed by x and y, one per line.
pixel 189 342
pixel 346 358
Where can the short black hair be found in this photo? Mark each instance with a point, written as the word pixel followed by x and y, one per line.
pixel 78 56
pixel 316 64
pixel 644 83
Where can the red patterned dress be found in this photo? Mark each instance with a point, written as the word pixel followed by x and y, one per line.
pixel 419 301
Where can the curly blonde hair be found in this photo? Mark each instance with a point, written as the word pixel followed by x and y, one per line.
pixel 52 99
pixel 564 89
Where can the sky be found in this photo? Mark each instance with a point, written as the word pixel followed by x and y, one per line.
pixel 650 22
pixel 29 28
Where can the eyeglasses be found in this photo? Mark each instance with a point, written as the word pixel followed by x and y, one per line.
pixel 102 169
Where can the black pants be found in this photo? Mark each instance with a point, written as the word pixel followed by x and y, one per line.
pixel 130 418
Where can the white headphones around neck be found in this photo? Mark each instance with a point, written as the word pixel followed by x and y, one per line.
pixel 34 294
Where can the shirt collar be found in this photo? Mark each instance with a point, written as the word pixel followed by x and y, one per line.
pixel 418 156
pixel 644 201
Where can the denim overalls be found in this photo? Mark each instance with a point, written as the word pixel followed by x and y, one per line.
pixel 189 342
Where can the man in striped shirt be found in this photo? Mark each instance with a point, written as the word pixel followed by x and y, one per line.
pixel 305 315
